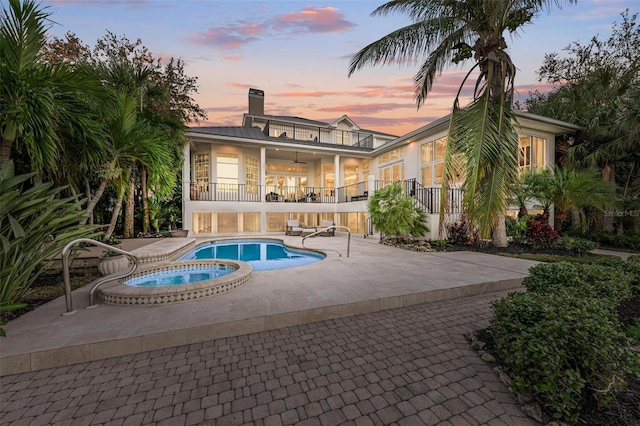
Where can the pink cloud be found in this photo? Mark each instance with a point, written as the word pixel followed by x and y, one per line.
pixel 236 85
pixel 229 37
pixel 234 59
pixel 313 20
pixel 366 108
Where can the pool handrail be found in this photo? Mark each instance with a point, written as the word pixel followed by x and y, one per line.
pixel 67 277
pixel 324 229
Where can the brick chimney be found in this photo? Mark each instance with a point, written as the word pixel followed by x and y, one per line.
pixel 256 102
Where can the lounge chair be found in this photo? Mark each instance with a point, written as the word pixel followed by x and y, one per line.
pixel 326 232
pixel 293 227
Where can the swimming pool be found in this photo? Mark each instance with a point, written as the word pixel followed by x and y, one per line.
pixel 180 276
pixel 261 254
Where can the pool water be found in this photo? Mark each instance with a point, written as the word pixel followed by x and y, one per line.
pixel 179 276
pixel 262 255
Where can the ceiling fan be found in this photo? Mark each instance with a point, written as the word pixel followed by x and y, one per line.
pixel 296 161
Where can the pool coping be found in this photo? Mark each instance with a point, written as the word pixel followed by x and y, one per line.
pixel 118 293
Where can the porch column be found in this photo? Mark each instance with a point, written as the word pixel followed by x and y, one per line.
pixel 263 191
pixel 336 175
pixel 186 187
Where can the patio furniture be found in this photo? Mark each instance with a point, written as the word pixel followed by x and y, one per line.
pixel 293 227
pixel 327 232
pixel 308 230
pixel 272 196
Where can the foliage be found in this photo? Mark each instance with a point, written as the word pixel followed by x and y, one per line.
pixel 539 233
pixel 629 242
pixel 458 234
pixel 574 244
pixel 604 282
pixel 393 213
pixel 597 88
pixel 41 104
pixel 633 332
pixel 517 228
pixel 563 349
pixel 35 225
pixel 568 189
pixel 481 137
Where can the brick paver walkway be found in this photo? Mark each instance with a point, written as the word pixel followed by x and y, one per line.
pixel 407 366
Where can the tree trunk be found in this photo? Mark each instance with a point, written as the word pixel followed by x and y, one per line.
pixel 5 151
pixel 118 206
pixel 93 200
pixel 114 216
pixel 608 175
pixel 500 232
pixel 87 189
pixel 575 219
pixel 130 211
pixel 146 219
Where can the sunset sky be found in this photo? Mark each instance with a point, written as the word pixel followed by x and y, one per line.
pixel 298 53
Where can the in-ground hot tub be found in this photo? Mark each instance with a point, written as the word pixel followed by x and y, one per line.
pixel 177 282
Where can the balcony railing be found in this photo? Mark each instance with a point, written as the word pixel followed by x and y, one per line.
pixel 308 133
pixel 257 193
pixel 428 197
pixel 355 192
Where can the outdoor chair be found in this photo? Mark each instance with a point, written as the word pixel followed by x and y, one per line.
pixel 327 232
pixel 293 227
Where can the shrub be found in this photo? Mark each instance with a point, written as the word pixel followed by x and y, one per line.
pixel 539 233
pixel 35 224
pixel 562 348
pixel 574 244
pixel 588 281
pixel 632 268
pixel 517 228
pixel 459 234
pixel 630 242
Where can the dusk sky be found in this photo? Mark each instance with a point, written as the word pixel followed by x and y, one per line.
pixel 298 53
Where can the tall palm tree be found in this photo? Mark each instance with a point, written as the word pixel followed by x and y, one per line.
pixel 40 103
pixel 446 32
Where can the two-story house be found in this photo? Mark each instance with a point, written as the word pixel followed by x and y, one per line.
pixel 252 178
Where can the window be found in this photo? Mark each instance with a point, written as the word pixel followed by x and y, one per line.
pixel 432 161
pixel 251 175
pixel 289 181
pixel 329 179
pixel 394 155
pixel 201 171
pixel 227 167
pixel 532 153
pixel 393 173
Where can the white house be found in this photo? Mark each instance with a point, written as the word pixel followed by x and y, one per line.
pixel 252 178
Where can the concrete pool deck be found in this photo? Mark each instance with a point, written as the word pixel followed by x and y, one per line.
pixel 373 278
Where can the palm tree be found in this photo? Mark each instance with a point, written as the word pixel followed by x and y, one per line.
pixel 570 191
pixel 446 32
pixel 393 213
pixel 40 103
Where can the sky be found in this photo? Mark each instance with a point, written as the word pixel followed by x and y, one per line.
pixel 298 53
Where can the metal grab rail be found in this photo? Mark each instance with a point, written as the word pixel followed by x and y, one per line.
pixel 67 278
pixel 331 227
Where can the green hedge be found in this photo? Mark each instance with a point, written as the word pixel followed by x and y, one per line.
pixel 609 282
pixel 563 349
pixel 575 244
pixel 561 341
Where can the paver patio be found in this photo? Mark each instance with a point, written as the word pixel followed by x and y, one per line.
pixel 343 341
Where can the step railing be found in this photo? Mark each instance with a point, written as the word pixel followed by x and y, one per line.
pixel 324 229
pixel 67 276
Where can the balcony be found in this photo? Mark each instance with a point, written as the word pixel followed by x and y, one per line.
pixel 259 193
pixel 306 133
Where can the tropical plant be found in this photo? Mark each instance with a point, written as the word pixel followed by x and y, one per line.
pixel 481 136
pixel 41 104
pixel 35 225
pixel 393 213
pixel 570 190
pixel 598 88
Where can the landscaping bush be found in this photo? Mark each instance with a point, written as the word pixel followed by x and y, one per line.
pixel 562 348
pixel 632 268
pixel 588 281
pixel 574 244
pixel 539 233
pixel 517 228
pixel 459 234
pixel 628 242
